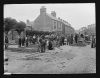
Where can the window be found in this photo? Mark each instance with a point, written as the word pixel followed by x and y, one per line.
pixel 61 26
pixel 57 25
pixel 54 24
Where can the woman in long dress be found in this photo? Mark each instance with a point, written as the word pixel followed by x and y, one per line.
pixel 6 42
pixel 19 41
pixel 26 41
pixel 50 47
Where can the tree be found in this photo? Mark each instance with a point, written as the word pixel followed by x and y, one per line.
pixel 28 32
pixel 20 27
pixel 9 24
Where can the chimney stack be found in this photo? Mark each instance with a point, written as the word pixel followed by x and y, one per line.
pixel 43 10
pixel 53 13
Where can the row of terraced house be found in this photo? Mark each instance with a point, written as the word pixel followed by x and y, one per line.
pixel 50 22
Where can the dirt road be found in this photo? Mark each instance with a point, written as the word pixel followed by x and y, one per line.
pixel 66 60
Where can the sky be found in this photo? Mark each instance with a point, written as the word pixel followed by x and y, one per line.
pixel 77 14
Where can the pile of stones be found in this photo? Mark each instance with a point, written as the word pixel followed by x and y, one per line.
pixel 82 44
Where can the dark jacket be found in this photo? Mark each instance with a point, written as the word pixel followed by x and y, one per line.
pixel 6 39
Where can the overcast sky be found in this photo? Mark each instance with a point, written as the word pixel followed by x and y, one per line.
pixel 77 14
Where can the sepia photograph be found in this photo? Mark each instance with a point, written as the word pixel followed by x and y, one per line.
pixel 50 38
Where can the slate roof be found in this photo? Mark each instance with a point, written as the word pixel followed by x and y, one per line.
pixel 30 23
pixel 52 17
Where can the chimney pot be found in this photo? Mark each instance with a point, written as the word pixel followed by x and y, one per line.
pixel 53 13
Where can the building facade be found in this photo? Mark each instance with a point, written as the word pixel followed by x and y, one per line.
pixel 92 29
pixel 89 30
pixel 49 22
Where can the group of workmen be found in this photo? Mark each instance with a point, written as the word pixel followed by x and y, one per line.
pixel 49 42
pixel 41 41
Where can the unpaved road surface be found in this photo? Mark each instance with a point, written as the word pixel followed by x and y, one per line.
pixel 66 60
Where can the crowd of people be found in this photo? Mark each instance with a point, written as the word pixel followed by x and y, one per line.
pixel 50 41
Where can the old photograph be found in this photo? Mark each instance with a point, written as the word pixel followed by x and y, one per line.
pixel 50 38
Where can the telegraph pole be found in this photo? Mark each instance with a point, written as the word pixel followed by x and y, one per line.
pixel 25 35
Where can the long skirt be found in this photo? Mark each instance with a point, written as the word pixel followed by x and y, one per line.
pixel 39 48
pixel 22 42
pixel 26 43
pixel 19 42
pixel 6 45
pixel 50 47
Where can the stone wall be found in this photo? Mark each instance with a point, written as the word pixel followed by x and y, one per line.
pixel 15 37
